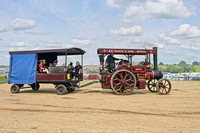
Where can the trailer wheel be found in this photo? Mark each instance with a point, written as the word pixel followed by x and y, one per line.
pixel 14 89
pixel 35 88
pixel 152 85
pixel 61 89
pixel 163 86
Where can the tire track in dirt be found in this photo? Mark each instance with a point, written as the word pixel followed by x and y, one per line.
pixel 104 111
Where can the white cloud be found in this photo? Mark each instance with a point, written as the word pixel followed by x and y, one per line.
pixel 135 30
pixel 159 45
pixel 81 42
pixel 168 40
pixel 189 47
pixel 55 44
pixel 145 44
pixel 118 3
pixel 123 3
pixel 186 31
pixel 17 49
pixel 38 32
pixel 17 44
pixel 168 9
pixel 3 28
pixel 22 24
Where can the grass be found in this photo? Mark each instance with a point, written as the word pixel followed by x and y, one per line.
pixel 3 80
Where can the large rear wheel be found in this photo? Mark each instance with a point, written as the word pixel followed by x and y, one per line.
pixel 123 82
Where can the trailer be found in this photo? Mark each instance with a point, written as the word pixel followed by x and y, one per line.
pixel 23 69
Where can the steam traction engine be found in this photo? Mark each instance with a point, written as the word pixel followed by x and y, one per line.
pixel 128 76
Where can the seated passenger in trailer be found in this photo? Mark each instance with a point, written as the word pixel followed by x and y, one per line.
pixel 41 68
pixel 110 63
pixel 50 64
pixel 78 70
pixel 70 69
pixel 55 63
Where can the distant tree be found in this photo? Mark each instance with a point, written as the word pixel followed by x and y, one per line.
pixel 182 64
pixel 194 63
pixel 161 63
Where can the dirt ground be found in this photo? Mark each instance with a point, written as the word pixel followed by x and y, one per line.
pixel 92 109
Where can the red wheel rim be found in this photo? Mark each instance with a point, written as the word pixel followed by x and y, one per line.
pixel 123 82
pixel 164 86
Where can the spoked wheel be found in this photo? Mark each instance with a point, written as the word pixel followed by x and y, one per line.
pixel 35 86
pixel 61 89
pixel 123 82
pixel 152 85
pixel 163 86
pixel 15 88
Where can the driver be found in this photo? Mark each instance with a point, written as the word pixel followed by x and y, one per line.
pixel 110 62
pixel 146 62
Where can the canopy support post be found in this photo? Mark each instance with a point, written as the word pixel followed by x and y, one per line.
pixel 82 62
pixel 65 66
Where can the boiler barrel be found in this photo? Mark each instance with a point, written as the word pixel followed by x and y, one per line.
pixel 158 74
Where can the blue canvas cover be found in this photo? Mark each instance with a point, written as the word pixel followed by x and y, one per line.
pixel 22 68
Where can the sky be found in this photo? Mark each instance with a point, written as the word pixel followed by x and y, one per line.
pixel 171 25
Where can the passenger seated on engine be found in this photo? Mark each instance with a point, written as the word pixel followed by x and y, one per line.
pixel 41 69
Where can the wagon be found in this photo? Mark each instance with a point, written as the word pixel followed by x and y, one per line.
pixel 127 76
pixel 23 69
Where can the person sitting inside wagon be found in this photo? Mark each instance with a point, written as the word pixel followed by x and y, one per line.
pixel 78 70
pixel 70 69
pixel 41 68
pixel 110 62
pixel 55 63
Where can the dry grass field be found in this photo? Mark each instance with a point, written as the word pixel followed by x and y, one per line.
pixel 92 109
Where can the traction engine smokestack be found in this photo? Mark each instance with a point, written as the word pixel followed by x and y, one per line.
pixel 155 56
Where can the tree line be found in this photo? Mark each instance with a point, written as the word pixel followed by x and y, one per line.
pixel 181 67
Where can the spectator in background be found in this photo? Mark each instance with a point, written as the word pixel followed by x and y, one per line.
pixel 55 63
